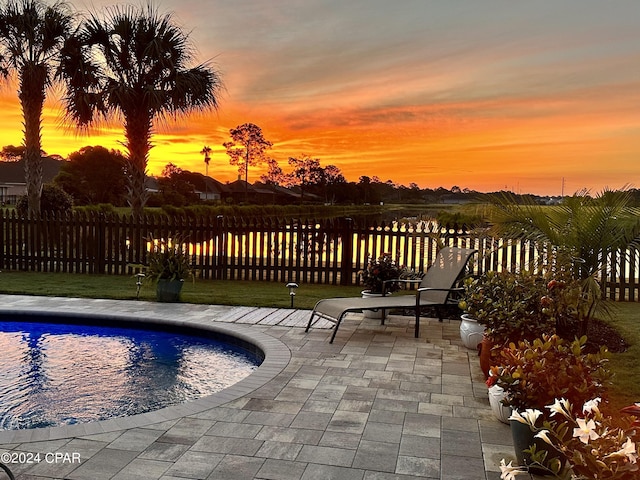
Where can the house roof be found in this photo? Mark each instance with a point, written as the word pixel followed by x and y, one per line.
pixel 240 186
pixel 13 172
pixel 215 186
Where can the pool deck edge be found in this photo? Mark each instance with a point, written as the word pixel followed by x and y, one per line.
pixel 276 357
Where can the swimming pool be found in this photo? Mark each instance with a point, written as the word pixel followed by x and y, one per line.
pixel 66 373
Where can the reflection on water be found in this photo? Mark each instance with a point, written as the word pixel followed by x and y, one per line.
pixel 59 374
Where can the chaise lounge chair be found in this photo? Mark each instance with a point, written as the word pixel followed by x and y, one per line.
pixel 434 290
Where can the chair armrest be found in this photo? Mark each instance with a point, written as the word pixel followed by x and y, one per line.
pixel 427 289
pixel 398 280
pixel 424 289
pixel 403 280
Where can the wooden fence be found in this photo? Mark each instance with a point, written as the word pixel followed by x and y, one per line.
pixel 305 251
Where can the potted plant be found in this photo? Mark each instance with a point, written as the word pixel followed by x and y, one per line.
pixel 592 444
pixel 508 306
pixel 377 272
pixel 376 278
pixel 534 373
pixel 496 395
pixel 471 332
pixel 168 264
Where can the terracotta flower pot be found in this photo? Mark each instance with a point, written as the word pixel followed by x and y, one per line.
pixel 485 355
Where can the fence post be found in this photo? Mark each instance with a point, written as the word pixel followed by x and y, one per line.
pixel 346 261
pixel 101 243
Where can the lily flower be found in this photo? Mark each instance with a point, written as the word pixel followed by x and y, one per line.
pixel 544 435
pixel 628 450
pixel 592 406
pixel 515 415
pixel 561 406
pixel 531 416
pixel 528 417
pixel 508 471
pixel 585 431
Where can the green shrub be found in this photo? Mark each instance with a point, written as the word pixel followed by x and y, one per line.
pixel 459 219
pixel 97 208
pixel 533 374
pixel 53 200
pixel 172 211
pixel 508 305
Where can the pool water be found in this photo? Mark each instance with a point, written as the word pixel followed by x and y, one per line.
pixel 58 374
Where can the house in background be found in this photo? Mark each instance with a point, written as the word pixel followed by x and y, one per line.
pixel 265 194
pixel 12 182
pixel 211 189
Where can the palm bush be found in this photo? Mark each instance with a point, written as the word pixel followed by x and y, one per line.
pixel 168 259
pixel 575 238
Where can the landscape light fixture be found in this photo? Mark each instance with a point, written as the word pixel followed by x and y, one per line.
pixel 292 291
pixel 139 277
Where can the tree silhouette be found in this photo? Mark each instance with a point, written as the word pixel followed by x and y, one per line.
pixel 175 187
pixel 134 65
pixel 11 153
pixel 332 180
pixel 31 37
pixel 274 175
pixel 94 175
pixel 247 147
pixel 306 172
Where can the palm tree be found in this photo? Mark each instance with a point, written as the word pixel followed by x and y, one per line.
pixel 31 36
pixel 206 151
pixel 134 66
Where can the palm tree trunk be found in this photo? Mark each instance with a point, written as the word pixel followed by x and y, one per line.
pixel 246 176
pixel 138 134
pixel 33 79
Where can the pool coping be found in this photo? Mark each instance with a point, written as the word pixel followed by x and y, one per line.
pixel 276 357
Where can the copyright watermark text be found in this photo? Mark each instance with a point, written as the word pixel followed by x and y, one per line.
pixel 47 457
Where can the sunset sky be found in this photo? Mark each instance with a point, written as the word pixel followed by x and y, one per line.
pixel 483 94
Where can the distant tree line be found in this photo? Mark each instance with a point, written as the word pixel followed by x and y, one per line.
pixel 95 175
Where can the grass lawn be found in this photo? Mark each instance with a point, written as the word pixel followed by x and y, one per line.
pixel 626 366
pixel 223 292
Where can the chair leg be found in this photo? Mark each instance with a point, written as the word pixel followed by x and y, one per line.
pixel 335 330
pixel 417 333
pixel 306 330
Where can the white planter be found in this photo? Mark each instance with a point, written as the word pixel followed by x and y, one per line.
pixel 377 314
pixel 502 412
pixel 470 332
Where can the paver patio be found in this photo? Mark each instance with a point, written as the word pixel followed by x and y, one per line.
pixel 377 404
